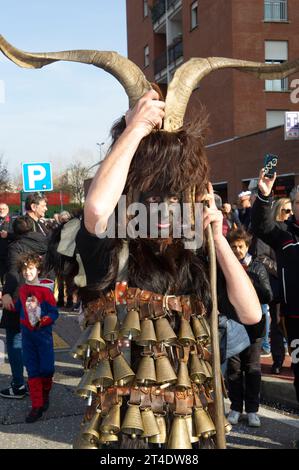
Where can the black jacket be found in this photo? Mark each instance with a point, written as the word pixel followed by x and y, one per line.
pixel 245 217
pixel 260 279
pixel 285 243
pixel 39 226
pixel 32 242
pixel 5 225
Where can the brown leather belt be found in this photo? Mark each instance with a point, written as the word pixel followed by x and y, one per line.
pixel 149 304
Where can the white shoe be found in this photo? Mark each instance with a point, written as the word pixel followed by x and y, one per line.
pixel 253 420
pixel 233 417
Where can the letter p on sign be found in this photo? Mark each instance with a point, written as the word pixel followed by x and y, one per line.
pixel 37 177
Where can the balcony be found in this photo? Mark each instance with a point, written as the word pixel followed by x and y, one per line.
pixel 164 64
pixel 158 10
pixel 276 11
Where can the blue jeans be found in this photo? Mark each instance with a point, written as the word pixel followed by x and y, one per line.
pixel 15 357
pixel 266 341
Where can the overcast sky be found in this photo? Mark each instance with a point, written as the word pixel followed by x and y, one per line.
pixel 59 113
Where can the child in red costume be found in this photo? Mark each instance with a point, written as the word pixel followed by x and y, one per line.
pixel 37 307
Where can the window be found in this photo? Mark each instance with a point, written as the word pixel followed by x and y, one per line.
pixel 146 56
pixel 275 10
pixel 276 52
pixel 274 118
pixel 145 8
pixel 194 15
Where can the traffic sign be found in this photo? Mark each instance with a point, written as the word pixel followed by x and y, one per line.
pixel 37 177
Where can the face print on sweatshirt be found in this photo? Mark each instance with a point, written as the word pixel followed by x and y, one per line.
pixel 33 310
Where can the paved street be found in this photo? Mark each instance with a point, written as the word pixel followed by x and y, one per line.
pixel 59 426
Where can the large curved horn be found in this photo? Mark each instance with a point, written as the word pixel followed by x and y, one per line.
pixel 189 75
pixel 125 71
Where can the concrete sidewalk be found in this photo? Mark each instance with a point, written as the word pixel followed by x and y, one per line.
pixel 278 389
pixel 61 423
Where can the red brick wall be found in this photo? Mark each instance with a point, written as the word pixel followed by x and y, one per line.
pixel 243 158
pixel 249 35
pixel 139 34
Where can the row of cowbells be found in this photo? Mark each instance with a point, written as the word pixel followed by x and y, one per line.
pixel 185 430
pixel 145 334
pixel 150 372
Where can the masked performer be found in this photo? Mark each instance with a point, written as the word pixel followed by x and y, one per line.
pixel 148 300
pixel 149 351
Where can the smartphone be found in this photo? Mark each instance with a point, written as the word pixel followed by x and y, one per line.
pixel 270 163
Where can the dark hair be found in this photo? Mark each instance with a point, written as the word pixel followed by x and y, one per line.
pixel 22 225
pixel 34 198
pixel 173 161
pixel 30 259
pixel 239 234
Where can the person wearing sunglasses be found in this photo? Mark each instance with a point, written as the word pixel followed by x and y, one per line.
pixel 283 209
pixel 283 238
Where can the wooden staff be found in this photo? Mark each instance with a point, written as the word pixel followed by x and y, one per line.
pixel 217 381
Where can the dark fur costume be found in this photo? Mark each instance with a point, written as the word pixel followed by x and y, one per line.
pixel 173 163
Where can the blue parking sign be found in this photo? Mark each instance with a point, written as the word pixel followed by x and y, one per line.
pixel 37 177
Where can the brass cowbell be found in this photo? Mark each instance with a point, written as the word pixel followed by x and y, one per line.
pixel 146 373
pixel 191 429
pixel 147 336
pixel 131 326
pixel 199 331
pixel 179 435
pixel 95 339
pixel 91 428
pixel 86 387
pixel 106 438
pixel 80 346
pixel 164 372
pixel 111 328
pixel 204 321
pixel 132 423
pixel 186 335
pixel 183 380
pixel 164 332
pixel 208 369
pixel 197 371
pixel 83 442
pixel 103 375
pixel 122 372
pixel 161 437
pixel 149 423
pixel 204 425
pixel 111 422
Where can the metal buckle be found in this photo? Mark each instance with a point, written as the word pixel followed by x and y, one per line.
pixel 165 302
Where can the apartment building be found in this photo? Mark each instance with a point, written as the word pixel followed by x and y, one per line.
pixel 246 114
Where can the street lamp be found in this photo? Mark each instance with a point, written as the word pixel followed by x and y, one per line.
pixel 100 147
pixel 98 163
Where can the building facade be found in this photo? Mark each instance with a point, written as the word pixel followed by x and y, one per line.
pixel 163 34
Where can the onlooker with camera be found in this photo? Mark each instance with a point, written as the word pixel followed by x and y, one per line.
pixel 26 241
pixel 245 366
pixel 285 242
